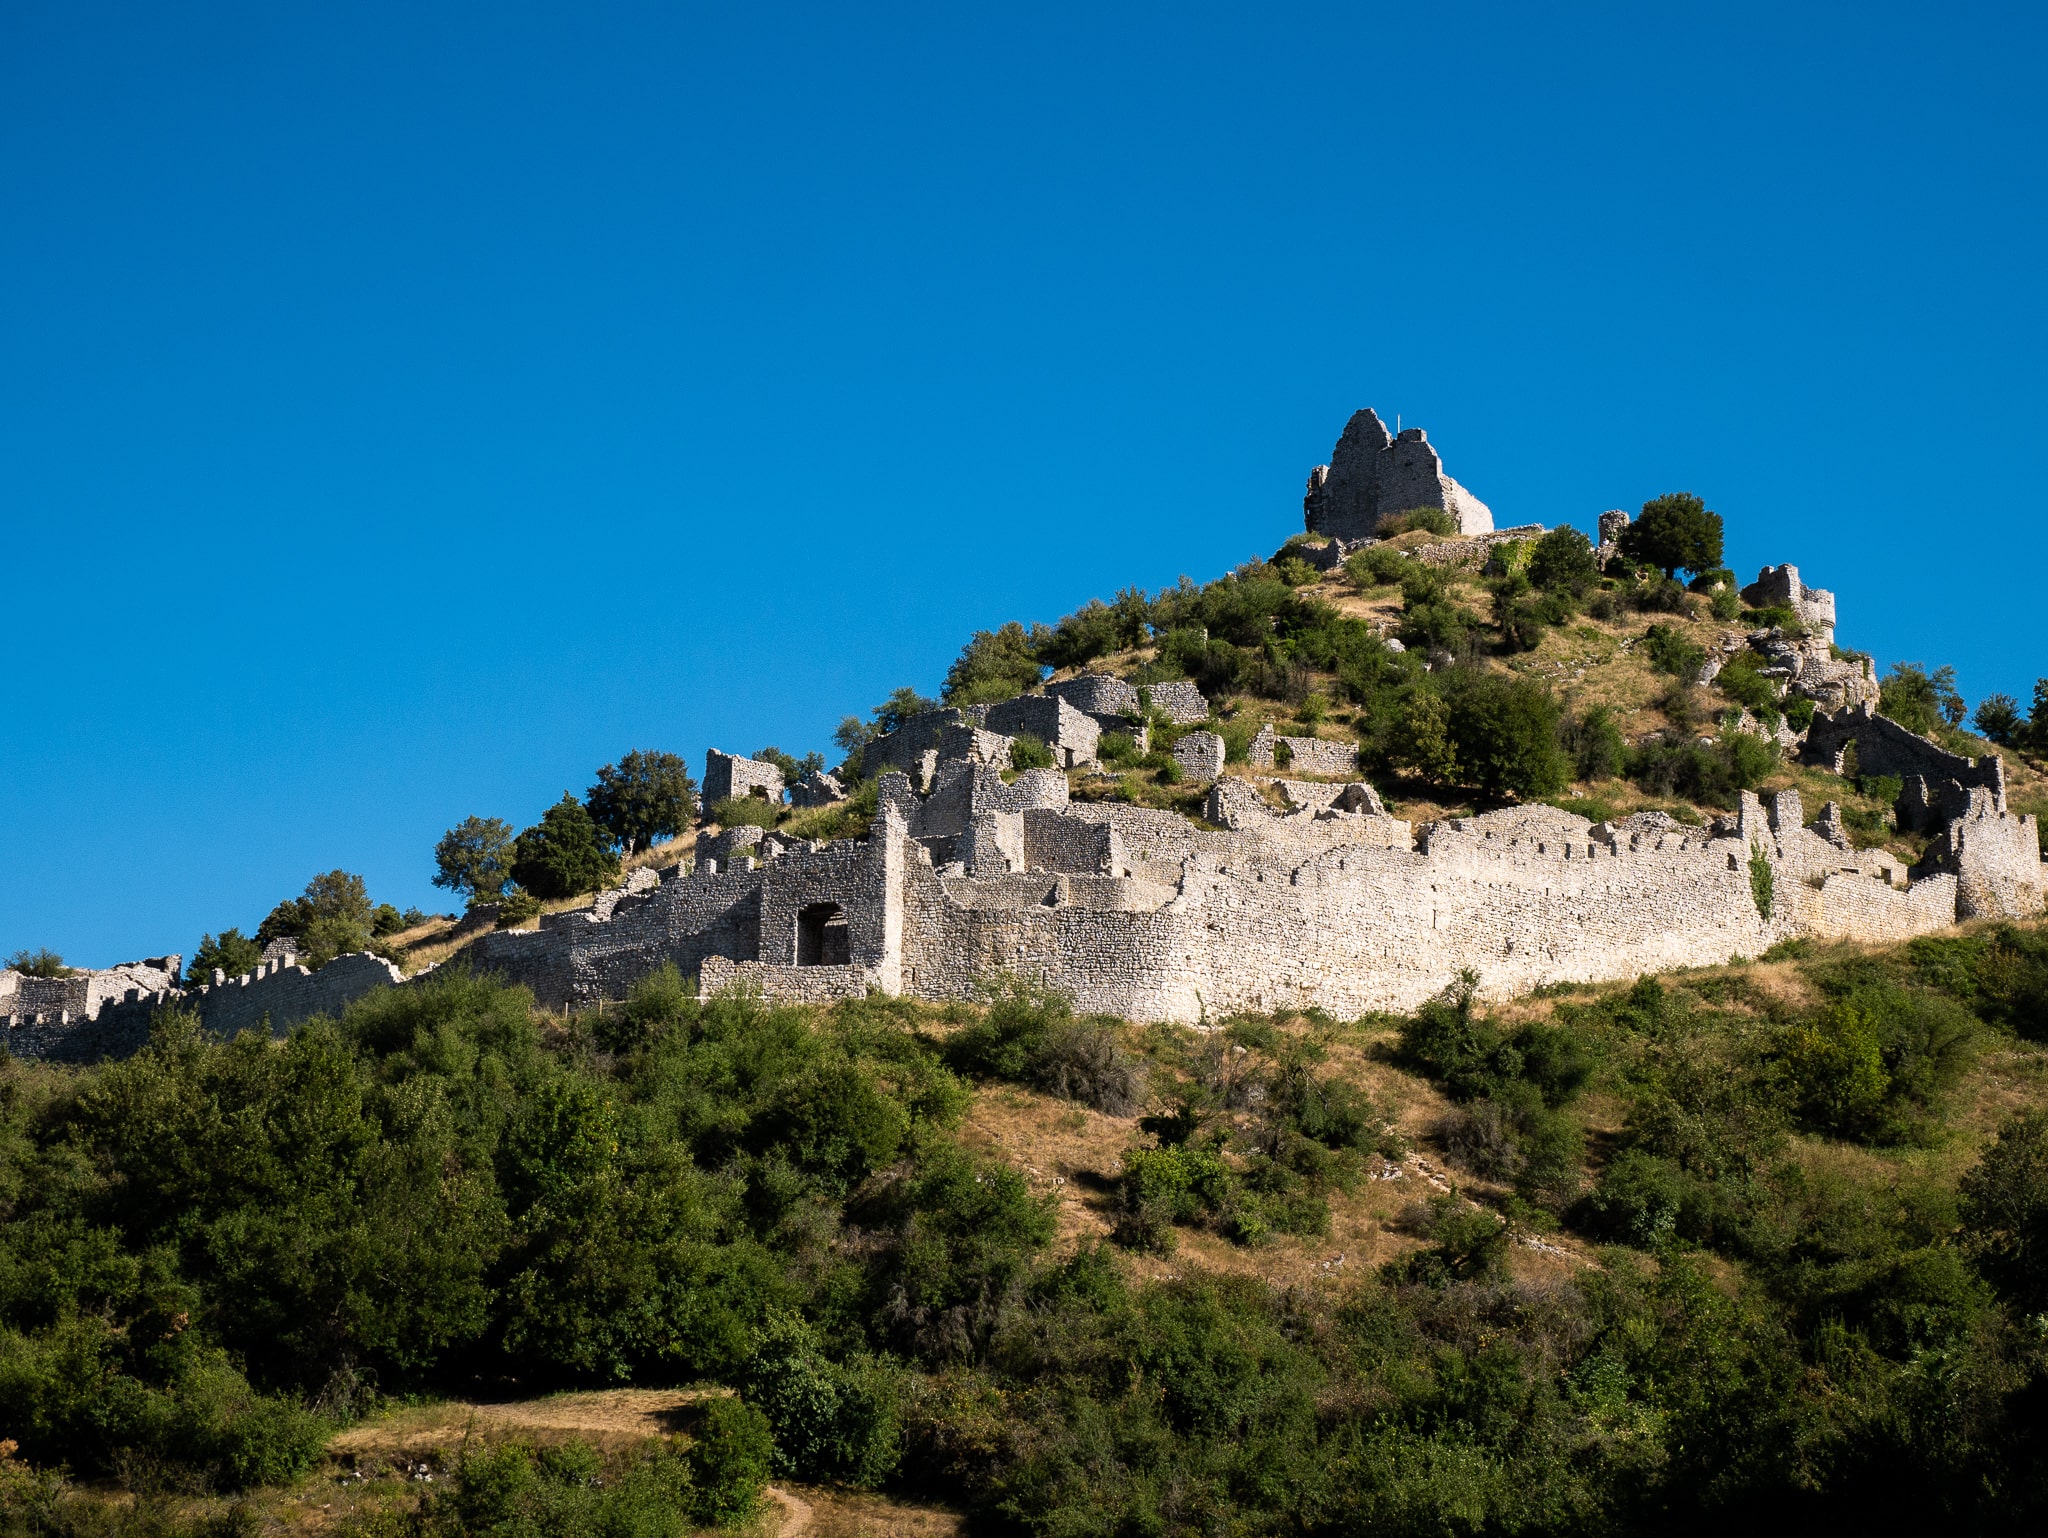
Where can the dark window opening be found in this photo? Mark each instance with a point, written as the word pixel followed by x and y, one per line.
pixel 821 938
pixel 760 791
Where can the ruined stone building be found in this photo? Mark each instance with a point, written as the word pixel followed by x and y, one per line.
pixel 1295 889
pixel 1373 474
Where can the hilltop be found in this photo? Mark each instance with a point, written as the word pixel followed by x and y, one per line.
pixel 1442 1029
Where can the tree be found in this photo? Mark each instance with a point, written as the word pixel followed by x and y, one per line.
pixel 331 918
pixel 792 767
pixel 2005 1211
pixel 996 665
pixel 1919 700
pixel 1675 531
pixel 1562 558
pixel 644 797
pixel 475 858
pixel 1998 718
pixel 1422 741
pixel 1505 734
pixel 899 707
pixel 232 954
pixel 40 962
pixel 563 854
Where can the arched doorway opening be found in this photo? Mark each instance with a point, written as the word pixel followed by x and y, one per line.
pixel 821 938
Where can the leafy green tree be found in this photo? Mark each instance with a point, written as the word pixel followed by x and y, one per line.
pixel 1422 741
pixel 645 797
pixel 996 665
pixel 2005 1211
pixel 563 854
pixel 1998 718
pixel 233 954
pixel 332 917
pixel 474 858
pixel 1505 733
pixel 1562 558
pixel 40 962
pixel 792 767
pixel 1675 532
pixel 1919 700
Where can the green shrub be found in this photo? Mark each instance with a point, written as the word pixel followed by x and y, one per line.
pixel 1707 776
pixel 516 907
pixel 729 1461
pixel 996 665
pixel 1594 744
pixel 1670 652
pixel 745 812
pixel 1028 1035
pixel 1760 883
pixel 831 1420
pixel 1377 566
pixel 1562 558
pixel 1504 731
pixel 2005 1211
pixel 40 962
pixel 1435 520
pixel 1724 605
pixel 1118 749
pixel 1159 1188
pixel 1029 752
pixel 1468 1244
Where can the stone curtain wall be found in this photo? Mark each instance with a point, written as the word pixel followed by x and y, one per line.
pixel 286 995
pixel 276 996
pixel 788 985
pixel 578 958
pixel 1885 747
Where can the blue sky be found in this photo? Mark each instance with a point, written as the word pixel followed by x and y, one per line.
pixel 408 408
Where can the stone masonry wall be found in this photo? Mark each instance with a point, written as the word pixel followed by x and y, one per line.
pixel 728 774
pixel 1885 747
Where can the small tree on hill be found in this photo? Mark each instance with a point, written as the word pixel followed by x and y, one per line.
pixel 474 858
pixel 1675 531
pixel 1919 700
pixel 996 665
pixel 1562 558
pixel 1998 718
pixel 792 767
pixel 563 854
pixel 331 918
pixel 644 797
pixel 40 962
pixel 232 954
pixel 1505 734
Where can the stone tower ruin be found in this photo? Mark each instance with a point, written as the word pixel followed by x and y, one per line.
pixel 1373 474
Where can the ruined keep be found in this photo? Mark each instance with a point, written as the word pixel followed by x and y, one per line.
pixel 1372 474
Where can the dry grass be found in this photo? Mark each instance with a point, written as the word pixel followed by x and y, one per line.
pixel 609 1418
